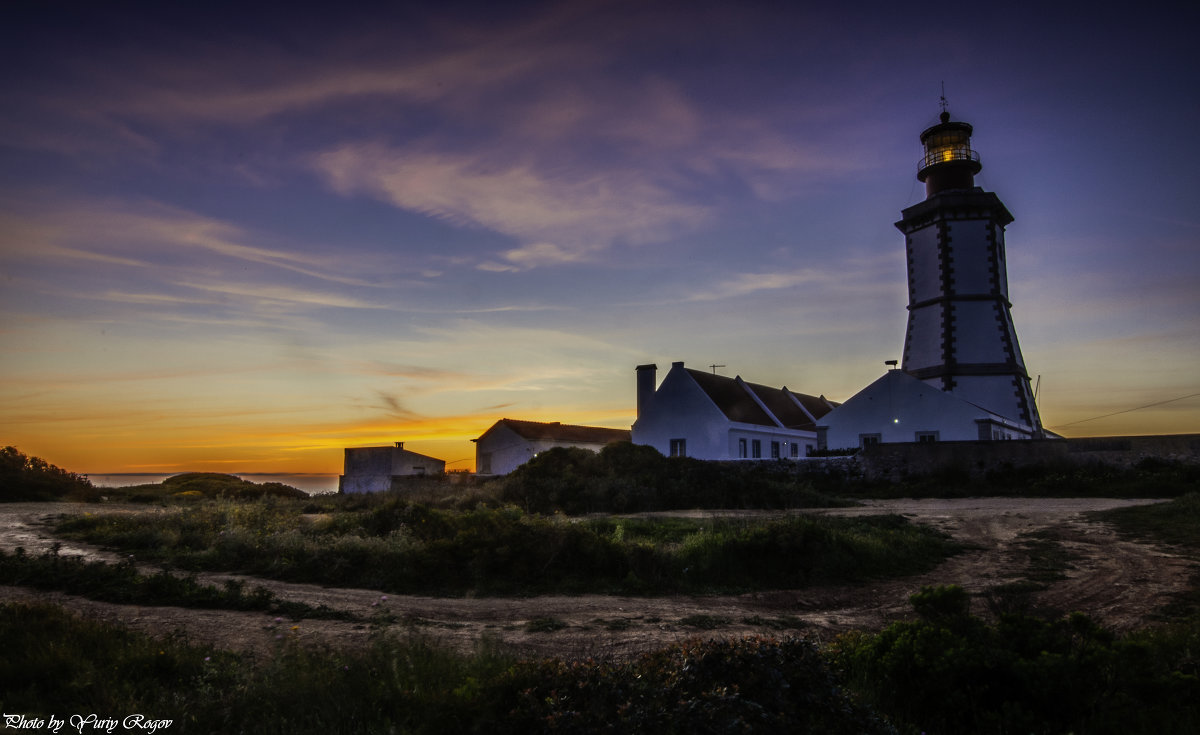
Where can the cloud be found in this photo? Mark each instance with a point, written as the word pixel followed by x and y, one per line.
pixel 561 215
pixel 264 293
pixel 144 234
pixel 743 284
pixel 394 408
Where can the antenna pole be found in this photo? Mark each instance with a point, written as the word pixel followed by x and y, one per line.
pixel 945 105
pixel 714 368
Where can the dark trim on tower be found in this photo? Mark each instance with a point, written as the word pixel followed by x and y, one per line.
pixel 972 369
pixel 946 266
pixel 961 204
pixel 967 297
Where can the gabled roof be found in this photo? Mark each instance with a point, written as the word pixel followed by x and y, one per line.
pixel 555 431
pixel 731 398
pixel 901 395
pixel 751 403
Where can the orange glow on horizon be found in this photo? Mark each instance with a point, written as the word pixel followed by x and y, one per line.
pixel 302 449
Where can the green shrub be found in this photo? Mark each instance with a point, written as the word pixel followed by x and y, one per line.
pixel 58 663
pixel 950 672
pixel 629 478
pixel 1175 522
pixel 410 548
pixel 24 478
pixel 123 583
pixel 745 685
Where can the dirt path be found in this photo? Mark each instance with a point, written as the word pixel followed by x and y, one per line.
pixel 1116 581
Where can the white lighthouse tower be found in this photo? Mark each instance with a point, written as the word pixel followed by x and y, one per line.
pixel 960 335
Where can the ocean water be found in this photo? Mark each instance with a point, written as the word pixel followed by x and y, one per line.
pixel 309 483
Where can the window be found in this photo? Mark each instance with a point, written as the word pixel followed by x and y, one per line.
pixel 756 445
pixel 795 450
pixel 742 449
pixel 774 450
pixel 679 447
pixel 927 437
pixel 868 440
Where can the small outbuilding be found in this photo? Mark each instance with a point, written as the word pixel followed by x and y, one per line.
pixel 377 469
pixel 510 443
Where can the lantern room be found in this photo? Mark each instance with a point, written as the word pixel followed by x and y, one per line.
pixel 949 162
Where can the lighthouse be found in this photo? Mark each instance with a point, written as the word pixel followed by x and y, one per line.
pixel 960 336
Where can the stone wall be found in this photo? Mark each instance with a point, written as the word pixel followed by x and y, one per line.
pixel 975 458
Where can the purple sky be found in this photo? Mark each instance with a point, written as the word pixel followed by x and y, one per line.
pixel 243 240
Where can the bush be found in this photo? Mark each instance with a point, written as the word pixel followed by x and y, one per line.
pixel 950 672
pixel 408 548
pixel 745 685
pixel 630 478
pixel 34 479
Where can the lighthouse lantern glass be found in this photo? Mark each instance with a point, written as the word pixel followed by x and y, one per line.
pixel 948 145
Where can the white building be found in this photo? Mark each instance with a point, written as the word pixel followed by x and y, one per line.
pixel 374 469
pixel 900 408
pixel 510 443
pixel 698 414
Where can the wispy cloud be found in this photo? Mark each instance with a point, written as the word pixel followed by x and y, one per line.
pixel 743 284
pixel 263 293
pixel 560 215
pixel 143 234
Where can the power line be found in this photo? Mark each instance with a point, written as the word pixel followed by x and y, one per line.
pixel 1128 410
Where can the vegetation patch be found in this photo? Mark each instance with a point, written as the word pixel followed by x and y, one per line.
pixel 705 622
pixel 402 547
pixel 1048 558
pixel 950 672
pixel 122 583
pixel 192 486
pixel 57 663
pixel 25 478
pixel 1176 522
pixel 630 478
pixel 616 624
pixel 787 622
pixel 545 625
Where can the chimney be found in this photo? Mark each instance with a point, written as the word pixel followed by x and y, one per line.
pixel 399 445
pixel 647 376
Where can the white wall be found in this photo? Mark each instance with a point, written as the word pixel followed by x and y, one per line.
pixel 370 469
pixel 681 410
pixel 897 407
pixel 508 451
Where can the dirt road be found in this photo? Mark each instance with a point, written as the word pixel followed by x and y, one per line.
pixel 1116 581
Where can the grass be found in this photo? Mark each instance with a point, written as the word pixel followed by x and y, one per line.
pixel 545 625
pixel 401 547
pixel 122 583
pixel 1176 522
pixel 951 672
pixel 56 663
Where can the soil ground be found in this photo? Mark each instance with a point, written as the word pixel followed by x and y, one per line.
pixel 1118 582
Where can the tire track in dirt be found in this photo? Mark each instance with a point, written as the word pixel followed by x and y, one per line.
pixel 1116 581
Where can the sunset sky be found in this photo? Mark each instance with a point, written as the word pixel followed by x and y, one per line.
pixel 241 240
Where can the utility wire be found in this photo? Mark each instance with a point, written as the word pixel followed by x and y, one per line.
pixel 1128 410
